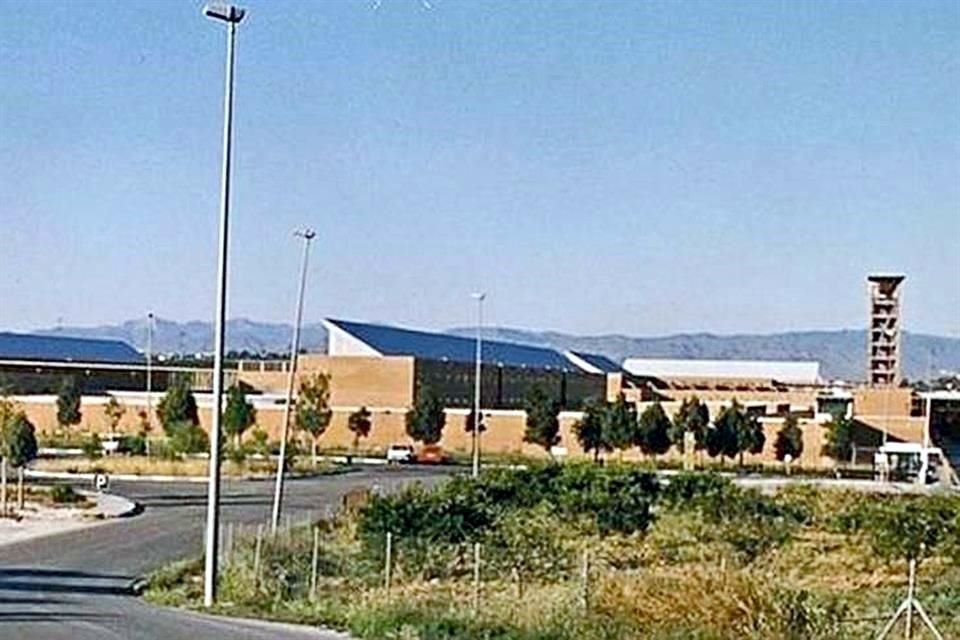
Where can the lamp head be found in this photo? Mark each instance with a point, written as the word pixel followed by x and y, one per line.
pixel 224 12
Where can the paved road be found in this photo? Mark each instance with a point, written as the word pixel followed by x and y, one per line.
pixel 77 585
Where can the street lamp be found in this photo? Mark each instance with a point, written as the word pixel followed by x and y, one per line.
pixel 149 376
pixel 307 235
pixel 479 297
pixel 231 16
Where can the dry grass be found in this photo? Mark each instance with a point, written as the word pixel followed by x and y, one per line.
pixel 143 465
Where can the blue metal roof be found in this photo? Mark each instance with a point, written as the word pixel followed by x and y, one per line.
pixel 392 341
pixel 603 363
pixel 21 346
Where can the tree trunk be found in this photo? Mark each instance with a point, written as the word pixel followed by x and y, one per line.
pixel 596 456
pixel 740 463
pixel 20 488
pixel 313 451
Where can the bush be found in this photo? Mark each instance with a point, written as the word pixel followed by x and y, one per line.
pixel 750 522
pixel 909 528
pixel 697 490
pixel 185 437
pixel 135 445
pixel 605 499
pixel 64 494
pixel 92 448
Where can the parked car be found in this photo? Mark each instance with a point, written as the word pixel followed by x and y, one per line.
pixel 400 454
pixel 432 454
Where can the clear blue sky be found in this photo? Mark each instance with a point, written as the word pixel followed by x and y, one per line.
pixel 634 167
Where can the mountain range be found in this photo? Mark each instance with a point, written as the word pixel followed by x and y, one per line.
pixel 841 353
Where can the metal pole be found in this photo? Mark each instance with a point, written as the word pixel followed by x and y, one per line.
pixel 149 383
pixel 307 235
pixel 476 385
pixel 213 491
pixel 388 563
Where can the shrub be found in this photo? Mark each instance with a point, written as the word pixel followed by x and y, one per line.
pixel 64 494
pixel 186 437
pixel 92 448
pixel 909 528
pixel 135 445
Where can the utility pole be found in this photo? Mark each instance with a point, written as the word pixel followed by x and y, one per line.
pixel 479 297
pixel 307 235
pixel 231 16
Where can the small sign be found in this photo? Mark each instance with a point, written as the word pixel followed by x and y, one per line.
pixel 101 481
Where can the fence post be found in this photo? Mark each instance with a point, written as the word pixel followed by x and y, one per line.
pixel 476 577
pixel 314 564
pixel 256 558
pixel 389 561
pixel 910 596
pixel 585 580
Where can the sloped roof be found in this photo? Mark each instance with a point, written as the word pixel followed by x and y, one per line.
pixel 22 346
pixel 393 341
pixel 602 364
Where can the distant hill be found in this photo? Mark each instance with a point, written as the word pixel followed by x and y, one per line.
pixel 197 337
pixel 840 353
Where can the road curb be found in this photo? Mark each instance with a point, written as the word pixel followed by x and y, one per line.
pixel 111 506
pixel 130 477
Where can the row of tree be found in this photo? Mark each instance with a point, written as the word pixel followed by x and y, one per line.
pixel 615 426
pixel 604 428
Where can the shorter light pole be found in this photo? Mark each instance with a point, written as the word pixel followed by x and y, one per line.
pixel 307 235
pixel 149 371
pixel 479 297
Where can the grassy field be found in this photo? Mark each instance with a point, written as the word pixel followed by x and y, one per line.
pixel 706 562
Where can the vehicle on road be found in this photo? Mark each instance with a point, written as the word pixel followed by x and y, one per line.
pixel 400 454
pixel 909 462
pixel 432 454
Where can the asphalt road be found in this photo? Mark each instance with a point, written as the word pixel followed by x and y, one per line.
pixel 78 585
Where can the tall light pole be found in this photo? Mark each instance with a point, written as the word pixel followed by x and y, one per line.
pixel 307 235
pixel 231 16
pixel 479 297
pixel 149 375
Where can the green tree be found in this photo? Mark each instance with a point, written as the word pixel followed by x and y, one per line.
pixel 543 420
pixel 178 406
pixel 789 439
pixel 653 430
pixel 114 412
pixel 313 409
pixel 8 413
pixel 589 429
pixel 839 439
pixel 620 425
pixel 68 403
pixel 723 437
pixel 750 435
pixel 692 417
pixel 18 446
pixel 359 423
pixel 426 419
pixel 238 415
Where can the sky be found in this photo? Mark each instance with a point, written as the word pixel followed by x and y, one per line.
pixel 642 168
